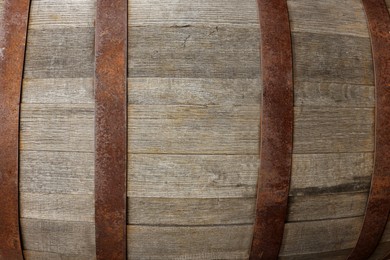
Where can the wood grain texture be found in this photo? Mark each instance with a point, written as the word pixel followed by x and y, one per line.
pixel 192 176
pixel 327 130
pixel 333 206
pixel 74 238
pixel 334 255
pixel 320 236
pixel 52 127
pixel 381 252
pixel 194 51
pixel 190 212
pixel 60 53
pixel 194 129
pixel 62 207
pixel 190 91
pixel 345 18
pixel 190 12
pixel 219 242
pixel 56 172
pixel 36 255
pixel 332 58
pixel 333 94
pixel 46 14
pixel 331 173
pixel 58 91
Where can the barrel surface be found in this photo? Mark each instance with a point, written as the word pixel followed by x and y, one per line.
pixel 194 98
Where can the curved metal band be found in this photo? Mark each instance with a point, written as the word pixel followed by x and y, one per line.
pixel 276 129
pixel 111 128
pixel 378 205
pixel 13 34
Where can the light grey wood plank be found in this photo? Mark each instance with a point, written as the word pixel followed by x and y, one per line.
pixel 59 14
pixel 56 172
pixel 73 238
pixel 60 53
pixel 221 242
pixel 328 17
pixel 333 206
pixel 192 91
pixel 63 207
pixel 36 255
pixel 194 51
pixel 331 173
pixel 327 130
pixel 189 12
pixel 194 129
pixel 58 91
pixel 192 176
pixel 57 127
pixel 332 58
pixel 320 236
pixel 190 212
pixel 333 95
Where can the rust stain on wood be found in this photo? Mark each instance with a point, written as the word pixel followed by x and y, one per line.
pixel 110 128
pixel 378 205
pixel 13 33
pixel 276 129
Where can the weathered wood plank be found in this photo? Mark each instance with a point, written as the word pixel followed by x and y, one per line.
pixel 192 176
pixel 346 17
pixel 194 51
pixel 381 252
pixel 219 242
pixel 36 255
pixel 190 212
pixel 331 173
pixel 177 91
pixel 333 206
pixel 58 91
pixel 320 236
pixel 56 172
pixel 332 58
pixel 334 255
pixel 60 53
pixel 63 207
pixel 74 238
pixel 58 14
pixel 190 12
pixel 194 129
pixel 326 130
pixel 57 127
pixel 333 94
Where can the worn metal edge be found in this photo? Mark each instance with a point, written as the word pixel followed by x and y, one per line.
pixel 110 128
pixel 378 204
pixel 13 38
pixel 276 129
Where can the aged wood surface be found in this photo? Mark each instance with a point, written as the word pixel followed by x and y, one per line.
pixel 308 208
pixel 345 18
pixel 63 207
pixel 64 237
pixel 215 242
pixel 37 255
pixel 190 12
pixel 46 14
pixel 320 236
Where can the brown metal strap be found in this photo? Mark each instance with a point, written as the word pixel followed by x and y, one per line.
pixel 378 205
pixel 13 34
pixel 110 128
pixel 276 129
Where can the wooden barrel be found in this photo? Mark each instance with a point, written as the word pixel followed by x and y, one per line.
pixel 198 118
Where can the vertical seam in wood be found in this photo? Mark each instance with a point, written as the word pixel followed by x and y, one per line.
pixel 276 129
pixel 378 204
pixel 110 128
pixel 13 37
